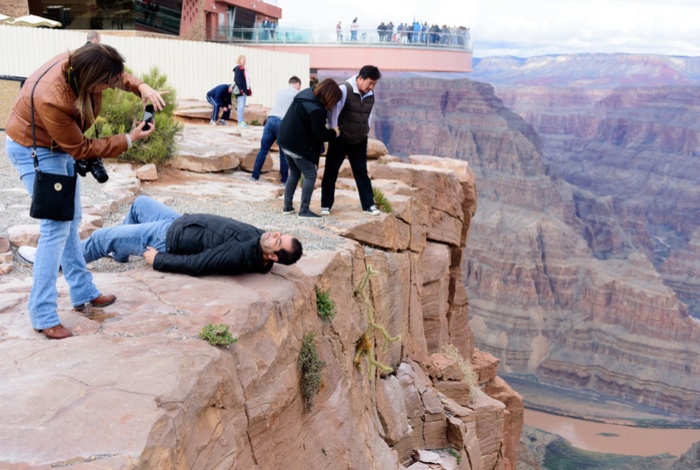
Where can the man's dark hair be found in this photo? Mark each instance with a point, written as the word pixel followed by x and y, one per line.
pixel 290 257
pixel 294 79
pixel 371 72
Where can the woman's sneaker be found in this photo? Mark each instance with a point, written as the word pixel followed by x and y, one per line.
pixel 325 211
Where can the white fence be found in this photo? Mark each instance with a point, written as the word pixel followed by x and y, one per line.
pixel 192 67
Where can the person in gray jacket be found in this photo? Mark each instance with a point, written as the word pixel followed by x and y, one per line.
pixel 194 244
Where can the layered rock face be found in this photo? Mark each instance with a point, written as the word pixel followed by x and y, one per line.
pixel 560 282
pixel 135 388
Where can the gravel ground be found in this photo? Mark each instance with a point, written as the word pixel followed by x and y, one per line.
pixel 264 213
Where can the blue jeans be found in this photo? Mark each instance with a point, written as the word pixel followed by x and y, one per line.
pixel 216 107
pixel 145 225
pixel 59 243
pixel 241 108
pixel 297 166
pixel 272 127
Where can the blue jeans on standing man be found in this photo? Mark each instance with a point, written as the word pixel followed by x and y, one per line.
pixel 272 127
pixel 59 243
pixel 146 224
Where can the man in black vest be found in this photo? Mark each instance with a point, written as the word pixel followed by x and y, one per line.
pixel 353 115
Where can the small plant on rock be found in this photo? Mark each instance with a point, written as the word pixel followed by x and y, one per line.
pixel 311 367
pixel 381 201
pixel 217 335
pixel 451 352
pixel 325 306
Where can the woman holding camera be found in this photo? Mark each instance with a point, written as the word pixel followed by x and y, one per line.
pixel 67 94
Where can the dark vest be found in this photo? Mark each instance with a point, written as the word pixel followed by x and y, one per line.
pixel 354 118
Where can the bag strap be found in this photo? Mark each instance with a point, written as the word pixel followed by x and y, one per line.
pixel 31 101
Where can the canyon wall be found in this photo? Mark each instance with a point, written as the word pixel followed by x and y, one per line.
pixel 565 280
pixel 136 388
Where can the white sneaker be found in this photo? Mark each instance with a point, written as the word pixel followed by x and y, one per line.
pixel 212 123
pixel 325 211
pixel 373 211
pixel 27 253
pixel 243 124
pixel 222 122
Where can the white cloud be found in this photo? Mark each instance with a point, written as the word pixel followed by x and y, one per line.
pixel 527 28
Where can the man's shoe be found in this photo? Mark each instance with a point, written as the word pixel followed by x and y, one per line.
pixel 117 258
pixel 101 301
pixel 325 211
pixel 253 179
pixel 222 122
pixel 288 210
pixel 212 123
pixel 372 211
pixel 27 253
pixel 307 214
pixel 56 332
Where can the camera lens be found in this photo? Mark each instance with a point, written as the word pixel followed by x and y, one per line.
pixel 98 170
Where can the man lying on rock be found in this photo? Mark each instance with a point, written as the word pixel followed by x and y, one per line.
pixel 194 244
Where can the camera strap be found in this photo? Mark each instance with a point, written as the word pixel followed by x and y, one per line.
pixel 31 101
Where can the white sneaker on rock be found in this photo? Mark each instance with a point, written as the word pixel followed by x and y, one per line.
pixel 373 211
pixel 27 253
pixel 212 123
pixel 325 211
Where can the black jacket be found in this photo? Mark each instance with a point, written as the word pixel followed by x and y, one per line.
pixel 303 130
pixel 198 244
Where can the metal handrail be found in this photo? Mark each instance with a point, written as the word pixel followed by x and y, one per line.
pixel 457 38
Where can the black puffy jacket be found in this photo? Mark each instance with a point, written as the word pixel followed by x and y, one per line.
pixel 198 244
pixel 303 129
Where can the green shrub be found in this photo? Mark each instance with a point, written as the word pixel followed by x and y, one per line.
pixel 122 110
pixel 325 306
pixel 217 335
pixel 311 367
pixel 381 201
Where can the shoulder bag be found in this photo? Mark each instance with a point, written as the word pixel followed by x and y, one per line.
pixel 53 196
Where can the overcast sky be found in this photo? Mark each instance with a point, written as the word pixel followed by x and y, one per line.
pixel 525 28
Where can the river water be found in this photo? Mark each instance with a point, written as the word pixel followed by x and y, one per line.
pixel 612 438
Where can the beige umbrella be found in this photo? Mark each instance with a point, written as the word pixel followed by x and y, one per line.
pixel 34 21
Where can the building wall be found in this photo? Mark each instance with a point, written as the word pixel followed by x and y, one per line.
pixel 192 67
pixel 14 8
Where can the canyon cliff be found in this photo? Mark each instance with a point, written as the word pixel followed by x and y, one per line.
pixel 581 262
pixel 136 388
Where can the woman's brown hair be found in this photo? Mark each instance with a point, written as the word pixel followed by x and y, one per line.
pixel 328 92
pixel 90 65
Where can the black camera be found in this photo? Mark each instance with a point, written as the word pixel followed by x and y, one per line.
pixel 148 116
pixel 94 166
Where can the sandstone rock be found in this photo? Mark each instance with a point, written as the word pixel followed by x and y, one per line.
pixel 6 257
pixel 426 456
pixel 375 149
pixel 147 172
pixel 391 410
pixel 4 244
pixel 458 390
pixel 21 235
pixel 5 267
pixel 441 367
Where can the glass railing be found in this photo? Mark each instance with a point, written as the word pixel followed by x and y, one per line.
pixel 457 38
